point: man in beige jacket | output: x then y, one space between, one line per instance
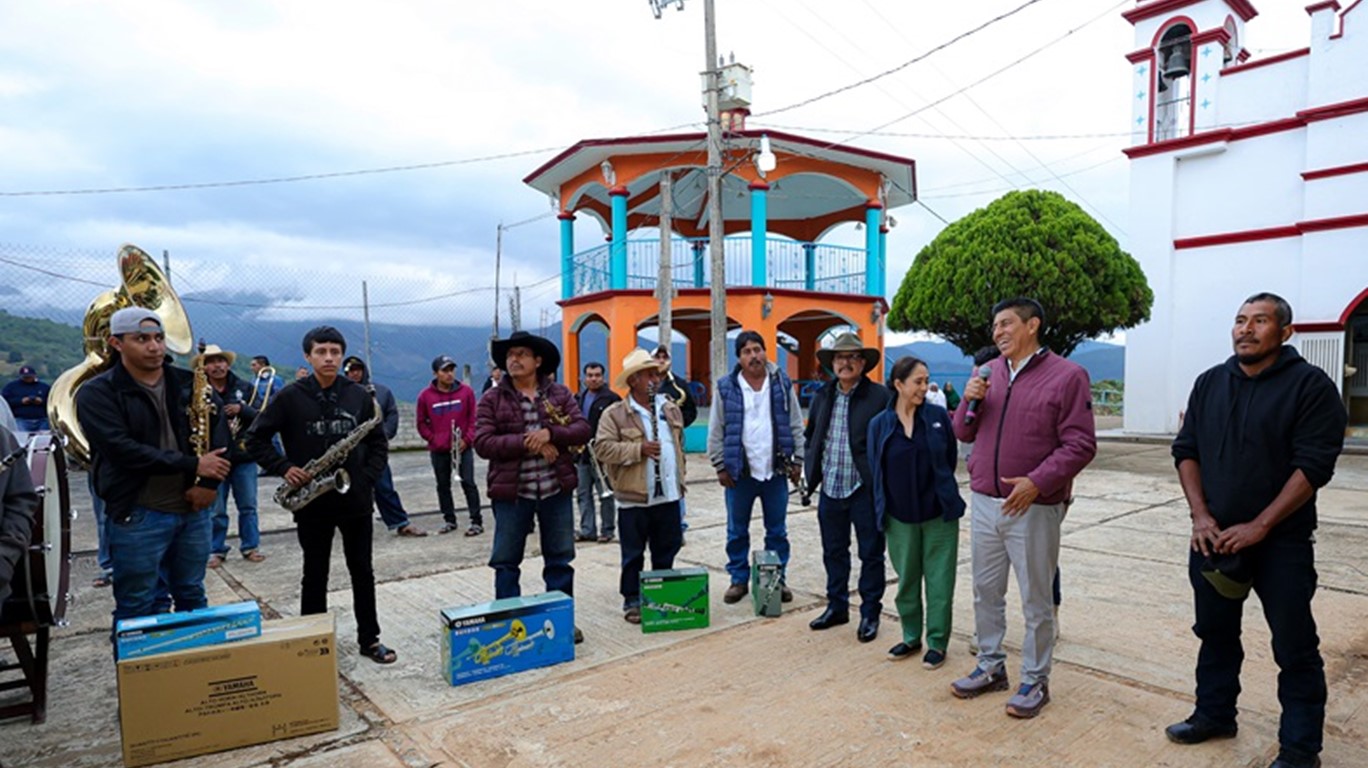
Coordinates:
644 465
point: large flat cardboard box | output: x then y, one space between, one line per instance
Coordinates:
499 638
164 632
195 701
674 599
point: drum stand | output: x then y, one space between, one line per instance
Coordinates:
34 667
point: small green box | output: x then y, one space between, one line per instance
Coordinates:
767 580
674 599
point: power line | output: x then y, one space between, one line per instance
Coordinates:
49 273
278 179
952 136
904 65
975 193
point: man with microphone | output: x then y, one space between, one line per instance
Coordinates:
1030 418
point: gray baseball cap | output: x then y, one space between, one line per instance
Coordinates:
130 320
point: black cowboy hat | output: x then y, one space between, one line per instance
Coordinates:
541 347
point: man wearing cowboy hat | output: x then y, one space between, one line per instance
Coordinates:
242 478
645 471
525 427
837 462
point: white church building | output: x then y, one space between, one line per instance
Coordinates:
1247 175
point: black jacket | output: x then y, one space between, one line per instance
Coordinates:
383 396
1250 434
120 421
238 392
311 419
17 508
866 401
677 390
602 400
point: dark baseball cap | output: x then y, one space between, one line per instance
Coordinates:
27 370
1229 574
442 361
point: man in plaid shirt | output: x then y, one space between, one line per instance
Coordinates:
837 461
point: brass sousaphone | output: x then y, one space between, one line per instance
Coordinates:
143 285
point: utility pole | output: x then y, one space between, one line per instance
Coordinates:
717 256
515 309
365 319
665 282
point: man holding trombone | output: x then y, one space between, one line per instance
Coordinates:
640 448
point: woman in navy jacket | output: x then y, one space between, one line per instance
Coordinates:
917 504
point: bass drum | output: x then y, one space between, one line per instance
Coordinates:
42 582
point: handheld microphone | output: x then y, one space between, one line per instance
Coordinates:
970 415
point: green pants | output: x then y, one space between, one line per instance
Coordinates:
924 551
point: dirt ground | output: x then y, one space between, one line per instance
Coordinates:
753 691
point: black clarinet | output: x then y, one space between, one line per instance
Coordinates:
655 438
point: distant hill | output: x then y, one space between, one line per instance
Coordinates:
1102 361
47 346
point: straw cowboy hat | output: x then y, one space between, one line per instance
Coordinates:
213 350
848 342
541 347
636 362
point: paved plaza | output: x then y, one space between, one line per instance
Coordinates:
754 691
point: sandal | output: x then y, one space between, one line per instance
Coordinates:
411 530
379 654
254 556
475 529
215 560
448 528
103 580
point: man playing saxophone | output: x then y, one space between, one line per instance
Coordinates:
640 444
143 418
314 415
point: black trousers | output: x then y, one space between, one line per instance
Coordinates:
1285 581
315 538
441 467
638 527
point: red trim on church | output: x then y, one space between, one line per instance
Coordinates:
1273 233
1236 69
1339 170
1161 7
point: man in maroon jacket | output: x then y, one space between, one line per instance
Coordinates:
1031 423
525 426
445 406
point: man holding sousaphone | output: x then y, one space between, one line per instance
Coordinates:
640 445
156 489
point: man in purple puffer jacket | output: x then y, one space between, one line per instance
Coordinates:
1032 429
525 427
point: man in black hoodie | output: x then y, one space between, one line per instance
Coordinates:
387 499
1261 433
311 415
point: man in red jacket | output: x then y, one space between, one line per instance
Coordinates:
526 426
1032 429
448 405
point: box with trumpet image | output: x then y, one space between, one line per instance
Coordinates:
502 637
674 599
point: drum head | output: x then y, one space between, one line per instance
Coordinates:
48 562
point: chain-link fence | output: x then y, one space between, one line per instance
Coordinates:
399 312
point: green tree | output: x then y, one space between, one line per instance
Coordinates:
1026 243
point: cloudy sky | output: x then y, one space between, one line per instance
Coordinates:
166 93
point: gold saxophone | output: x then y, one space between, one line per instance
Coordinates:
326 470
560 418
201 411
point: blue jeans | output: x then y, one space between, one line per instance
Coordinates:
387 501
98 506
32 425
835 517
154 553
242 479
773 495
588 500
512 524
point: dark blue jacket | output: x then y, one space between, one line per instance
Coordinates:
17 390
726 422
944 455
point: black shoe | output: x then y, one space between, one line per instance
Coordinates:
1195 731
579 636
1295 760
785 594
830 618
903 651
869 629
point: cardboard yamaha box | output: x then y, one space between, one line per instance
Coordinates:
499 638
278 685
674 599
767 577
146 635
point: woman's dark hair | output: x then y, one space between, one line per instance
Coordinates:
323 334
904 368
